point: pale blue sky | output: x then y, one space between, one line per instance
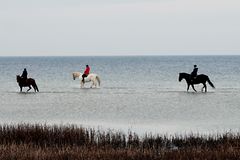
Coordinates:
119 27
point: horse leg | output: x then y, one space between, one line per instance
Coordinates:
20 89
205 87
29 88
81 84
93 84
193 87
34 88
188 87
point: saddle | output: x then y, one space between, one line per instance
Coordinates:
25 81
193 78
86 79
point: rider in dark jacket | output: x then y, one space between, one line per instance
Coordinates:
194 73
24 75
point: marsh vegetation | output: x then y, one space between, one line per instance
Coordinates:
35 141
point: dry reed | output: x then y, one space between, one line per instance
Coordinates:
43 142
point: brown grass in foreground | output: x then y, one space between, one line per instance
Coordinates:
41 142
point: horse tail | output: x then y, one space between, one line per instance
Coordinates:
210 83
35 86
98 79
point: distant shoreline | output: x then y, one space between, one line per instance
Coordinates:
133 55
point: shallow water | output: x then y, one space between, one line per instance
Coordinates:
137 93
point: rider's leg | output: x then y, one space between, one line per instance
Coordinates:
83 78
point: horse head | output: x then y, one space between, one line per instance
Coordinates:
18 78
184 76
75 75
180 77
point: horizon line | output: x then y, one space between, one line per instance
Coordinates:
130 55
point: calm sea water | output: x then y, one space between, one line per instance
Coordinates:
137 93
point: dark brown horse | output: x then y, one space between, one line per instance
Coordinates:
199 79
27 83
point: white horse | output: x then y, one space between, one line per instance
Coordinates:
94 78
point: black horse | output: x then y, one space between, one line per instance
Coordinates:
27 83
199 79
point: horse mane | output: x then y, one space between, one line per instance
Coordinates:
76 73
184 73
18 77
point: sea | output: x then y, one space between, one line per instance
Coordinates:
140 94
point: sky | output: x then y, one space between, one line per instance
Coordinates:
119 27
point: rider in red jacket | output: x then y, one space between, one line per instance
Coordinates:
86 73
